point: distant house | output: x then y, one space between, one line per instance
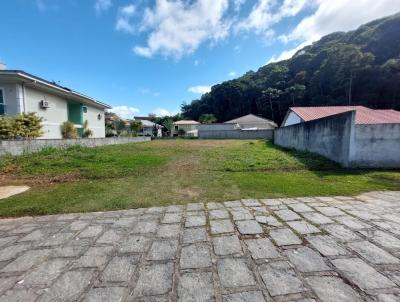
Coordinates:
253 122
21 92
149 126
354 136
364 115
188 127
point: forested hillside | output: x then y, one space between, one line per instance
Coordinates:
360 67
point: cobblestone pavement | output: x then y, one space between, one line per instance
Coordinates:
303 249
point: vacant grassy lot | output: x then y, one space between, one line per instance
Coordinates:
174 172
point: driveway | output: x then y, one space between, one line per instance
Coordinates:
303 249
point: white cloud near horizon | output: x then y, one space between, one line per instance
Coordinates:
163 112
332 16
102 5
176 28
124 19
200 89
232 73
124 112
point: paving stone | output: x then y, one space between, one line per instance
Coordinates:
169 230
262 248
68 287
195 207
241 214
134 244
6 283
301 208
90 261
227 245
388 298
145 227
45 273
394 275
341 233
372 253
70 250
382 238
214 205
195 213
260 210
26 260
232 204
172 218
287 215
250 296
120 269
35 235
270 220
364 215
306 260
125 222
251 202
12 251
234 272
317 218
196 287
352 223
284 237
195 256
174 209
106 294
332 289
91 231
280 278
303 227
249 227
192 235
221 226
19 295
326 245
271 202
163 250
361 274
195 221
219 214
109 237
154 279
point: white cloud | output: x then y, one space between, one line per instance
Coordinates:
164 112
232 73
338 15
124 111
124 19
196 63
264 15
238 4
102 5
200 89
178 27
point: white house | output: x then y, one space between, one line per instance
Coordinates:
253 122
21 92
148 126
188 127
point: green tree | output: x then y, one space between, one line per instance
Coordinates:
207 118
136 127
271 94
296 91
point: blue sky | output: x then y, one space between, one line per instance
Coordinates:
147 56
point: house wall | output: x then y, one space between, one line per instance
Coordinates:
376 146
256 125
330 137
292 119
193 128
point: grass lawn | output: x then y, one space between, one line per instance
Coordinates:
166 172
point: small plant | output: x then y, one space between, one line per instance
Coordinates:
86 131
68 130
25 125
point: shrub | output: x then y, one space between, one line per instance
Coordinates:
136 127
68 130
25 125
86 131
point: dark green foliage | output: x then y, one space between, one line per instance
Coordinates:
207 118
25 126
361 67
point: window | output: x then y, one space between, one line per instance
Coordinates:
84 108
2 103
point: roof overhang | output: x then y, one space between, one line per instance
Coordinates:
36 82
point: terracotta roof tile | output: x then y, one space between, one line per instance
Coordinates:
364 115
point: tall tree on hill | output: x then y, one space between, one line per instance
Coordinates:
271 94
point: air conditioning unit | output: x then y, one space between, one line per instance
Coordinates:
44 104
